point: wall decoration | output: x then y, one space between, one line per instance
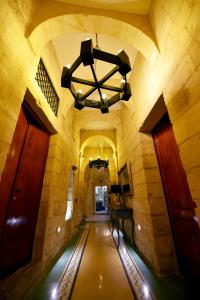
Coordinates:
125 179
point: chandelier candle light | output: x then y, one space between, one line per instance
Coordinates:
98 163
87 56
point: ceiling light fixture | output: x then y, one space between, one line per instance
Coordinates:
88 55
98 163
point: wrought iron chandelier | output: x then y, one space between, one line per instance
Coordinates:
98 163
88 55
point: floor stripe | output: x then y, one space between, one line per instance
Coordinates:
98 218
137 282
67 281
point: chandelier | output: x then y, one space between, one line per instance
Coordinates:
88 56
98 163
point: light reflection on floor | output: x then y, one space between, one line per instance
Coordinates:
101 274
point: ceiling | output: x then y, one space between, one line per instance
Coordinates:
68 49
97 142
129 6
95 120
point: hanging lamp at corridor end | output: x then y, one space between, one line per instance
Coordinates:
99 163
88 55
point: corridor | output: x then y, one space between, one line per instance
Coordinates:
99 114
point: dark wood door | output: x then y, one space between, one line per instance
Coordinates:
179 201
20 190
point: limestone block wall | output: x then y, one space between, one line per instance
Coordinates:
55 194
18 68
175 73
147 197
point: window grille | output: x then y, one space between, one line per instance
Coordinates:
46 86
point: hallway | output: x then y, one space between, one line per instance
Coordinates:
99 113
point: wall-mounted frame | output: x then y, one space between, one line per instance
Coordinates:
125 179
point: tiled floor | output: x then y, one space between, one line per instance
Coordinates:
101 274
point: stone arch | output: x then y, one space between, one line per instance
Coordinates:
103 137
92 178
54 22
113 164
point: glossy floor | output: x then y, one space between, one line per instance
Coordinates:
101 274
163 288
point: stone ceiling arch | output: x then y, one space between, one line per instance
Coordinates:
50 22
106 139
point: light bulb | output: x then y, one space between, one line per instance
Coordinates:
68 66
123 80
80 91
104 96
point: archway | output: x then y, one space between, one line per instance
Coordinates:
53 23
92 147
103 138
54 20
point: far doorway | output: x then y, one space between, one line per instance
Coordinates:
101 200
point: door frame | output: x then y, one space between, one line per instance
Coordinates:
158 110
49 129
95 202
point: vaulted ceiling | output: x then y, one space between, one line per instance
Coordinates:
130 6
120 24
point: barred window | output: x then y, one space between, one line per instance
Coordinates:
46 86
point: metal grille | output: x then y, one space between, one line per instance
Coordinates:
46 86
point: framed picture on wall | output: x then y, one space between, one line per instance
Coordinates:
125 179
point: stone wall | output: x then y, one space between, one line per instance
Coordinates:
18 68
175 74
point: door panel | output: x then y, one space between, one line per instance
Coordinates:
21 219
179 201
8 174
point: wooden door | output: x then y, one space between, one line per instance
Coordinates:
20 190
178 197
